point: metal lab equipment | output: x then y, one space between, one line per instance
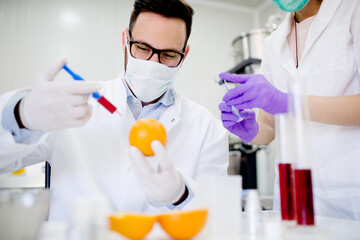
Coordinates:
248 49
22 211
248 46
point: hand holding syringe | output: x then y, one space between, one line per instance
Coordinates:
224 86
101 99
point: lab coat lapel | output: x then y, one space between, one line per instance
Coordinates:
285 54
321 21
171 116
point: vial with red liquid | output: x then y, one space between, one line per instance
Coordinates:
285 166
304 197
301 153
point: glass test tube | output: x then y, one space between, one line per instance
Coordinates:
285 166
299 115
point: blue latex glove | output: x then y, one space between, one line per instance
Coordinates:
247 129
254 91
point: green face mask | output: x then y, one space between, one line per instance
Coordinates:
290 5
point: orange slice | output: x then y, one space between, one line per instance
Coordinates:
132 226
183 225
18 172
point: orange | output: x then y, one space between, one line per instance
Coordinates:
18 172
183 225
131 225
143 132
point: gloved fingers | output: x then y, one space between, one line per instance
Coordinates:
255 99
80 87
229 125
229 117
52 70
139 162
236 78
78 100
79 112
248 95
161 155
224 107
250 125
237 92
247 114
80 121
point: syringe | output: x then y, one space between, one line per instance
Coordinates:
101 99
224 86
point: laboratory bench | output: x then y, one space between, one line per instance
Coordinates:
271 228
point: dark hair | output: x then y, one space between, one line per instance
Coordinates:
169 8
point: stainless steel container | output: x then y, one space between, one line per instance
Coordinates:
22 211
250 45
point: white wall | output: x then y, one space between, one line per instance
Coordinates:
266 11
214 30
88 32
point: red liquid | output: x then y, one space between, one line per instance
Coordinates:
286 192
106 104
304 197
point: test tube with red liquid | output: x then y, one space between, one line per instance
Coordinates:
285 167
299 114
304 197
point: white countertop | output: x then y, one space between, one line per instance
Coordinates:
273 228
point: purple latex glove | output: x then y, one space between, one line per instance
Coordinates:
254 91
247 129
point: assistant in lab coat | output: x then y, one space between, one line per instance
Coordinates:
88 148
326 56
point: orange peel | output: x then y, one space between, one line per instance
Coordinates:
183 225
144 131
131 225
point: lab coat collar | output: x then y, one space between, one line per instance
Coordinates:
321 21
281 43
171 116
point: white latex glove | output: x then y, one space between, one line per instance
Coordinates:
56 105
164 184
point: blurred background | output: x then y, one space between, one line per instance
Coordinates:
88 33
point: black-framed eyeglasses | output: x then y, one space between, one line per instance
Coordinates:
167 57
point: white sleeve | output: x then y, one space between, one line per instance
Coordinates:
355 31
14 156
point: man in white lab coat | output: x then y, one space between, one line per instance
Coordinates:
88 148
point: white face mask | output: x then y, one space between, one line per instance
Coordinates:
148 80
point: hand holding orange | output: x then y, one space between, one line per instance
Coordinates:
143 132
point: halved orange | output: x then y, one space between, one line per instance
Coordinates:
183 225
144 131
131 225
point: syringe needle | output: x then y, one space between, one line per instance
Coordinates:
223 84
118 113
